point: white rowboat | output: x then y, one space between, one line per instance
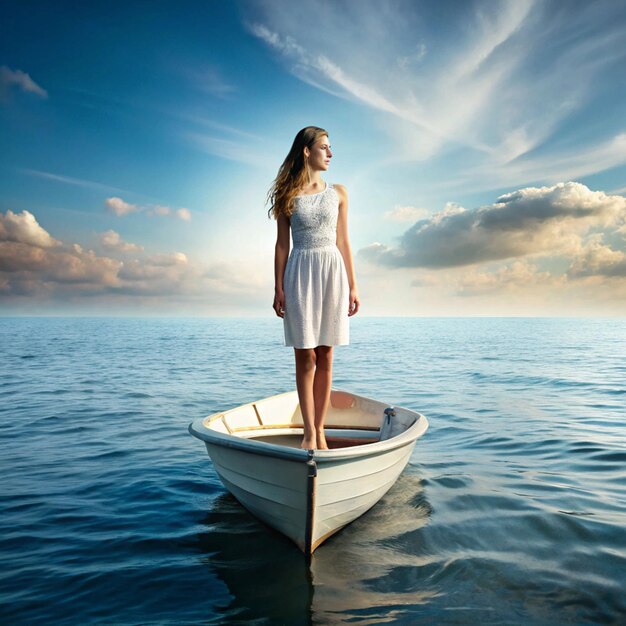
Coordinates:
310 494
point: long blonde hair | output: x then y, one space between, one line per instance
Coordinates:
293 174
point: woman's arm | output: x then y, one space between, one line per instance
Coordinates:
343 243
281 254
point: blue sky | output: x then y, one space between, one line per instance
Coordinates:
483 146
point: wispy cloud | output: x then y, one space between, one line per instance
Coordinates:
210 80
406 61
120 207
234 150
17 79
555 165
319 70
182 213
223 140
68 180
438 100
500 83
202 120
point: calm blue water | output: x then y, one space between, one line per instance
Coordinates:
512 510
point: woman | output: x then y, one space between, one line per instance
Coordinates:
315 286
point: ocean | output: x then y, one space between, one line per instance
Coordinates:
512 509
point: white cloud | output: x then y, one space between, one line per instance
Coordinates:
183 214
112 241
518 276
119 207
598 259
21 80
36 267
31 270
168 260
24 228
546 221
158 274
30 266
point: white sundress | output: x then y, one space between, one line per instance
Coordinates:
317 292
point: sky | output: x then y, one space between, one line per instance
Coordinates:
482 145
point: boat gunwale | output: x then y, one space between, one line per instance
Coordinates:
198 429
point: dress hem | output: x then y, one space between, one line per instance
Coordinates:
330 345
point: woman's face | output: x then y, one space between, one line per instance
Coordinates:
320 154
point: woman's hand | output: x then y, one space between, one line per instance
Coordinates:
279 302
355 303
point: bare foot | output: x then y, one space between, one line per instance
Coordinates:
308 443
321 440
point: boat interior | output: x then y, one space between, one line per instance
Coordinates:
351 420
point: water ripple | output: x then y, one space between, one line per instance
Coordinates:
511 510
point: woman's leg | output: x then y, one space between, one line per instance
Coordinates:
305 372
322 383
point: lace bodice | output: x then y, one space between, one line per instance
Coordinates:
314 220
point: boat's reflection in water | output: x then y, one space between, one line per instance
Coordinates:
346 579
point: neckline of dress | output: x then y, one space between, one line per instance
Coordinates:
308 195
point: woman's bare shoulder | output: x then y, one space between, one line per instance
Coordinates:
341 190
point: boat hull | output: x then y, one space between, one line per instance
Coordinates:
272 489
346 489
308 495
